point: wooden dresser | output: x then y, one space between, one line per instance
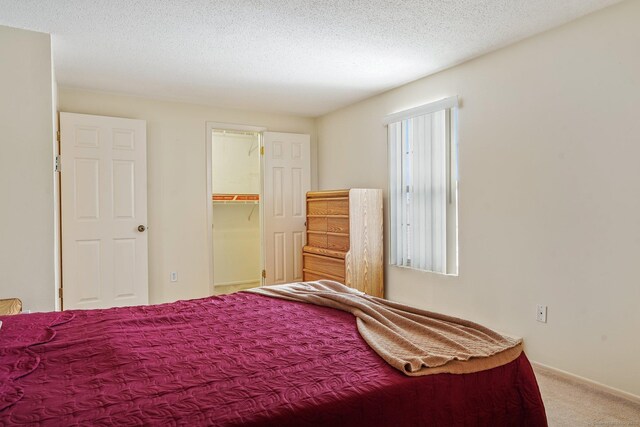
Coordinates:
344 238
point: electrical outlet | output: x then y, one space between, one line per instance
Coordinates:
173 276
541 313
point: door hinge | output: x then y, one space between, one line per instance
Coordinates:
262 150
264 274
58 136
60 293
58 166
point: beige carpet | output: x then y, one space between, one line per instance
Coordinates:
572 403
228 289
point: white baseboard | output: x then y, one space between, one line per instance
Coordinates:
577 378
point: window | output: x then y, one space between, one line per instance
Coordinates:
423 187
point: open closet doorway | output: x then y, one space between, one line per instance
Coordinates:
256 187
235 206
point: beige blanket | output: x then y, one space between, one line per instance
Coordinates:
417 342
10 306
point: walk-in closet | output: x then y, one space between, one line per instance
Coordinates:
235 183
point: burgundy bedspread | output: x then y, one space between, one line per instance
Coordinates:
240 359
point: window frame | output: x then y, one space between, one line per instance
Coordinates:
401 249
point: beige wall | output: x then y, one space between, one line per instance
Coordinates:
26 169
236 244
549 191
56 191
176 172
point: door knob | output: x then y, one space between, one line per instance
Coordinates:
141 228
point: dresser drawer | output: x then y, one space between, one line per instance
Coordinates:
319 240
337 225
323 264
318 224
337 242
316 207
310 276
336 206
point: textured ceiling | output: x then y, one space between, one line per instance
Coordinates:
305 57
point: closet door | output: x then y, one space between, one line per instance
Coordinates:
287 178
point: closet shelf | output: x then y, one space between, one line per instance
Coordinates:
235 199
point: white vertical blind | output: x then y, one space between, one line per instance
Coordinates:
419 190
395 192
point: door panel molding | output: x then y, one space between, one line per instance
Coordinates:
287 178
103 186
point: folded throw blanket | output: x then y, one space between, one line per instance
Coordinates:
417 342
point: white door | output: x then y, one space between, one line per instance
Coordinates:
104 211
287 178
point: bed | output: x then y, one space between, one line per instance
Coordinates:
238 359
